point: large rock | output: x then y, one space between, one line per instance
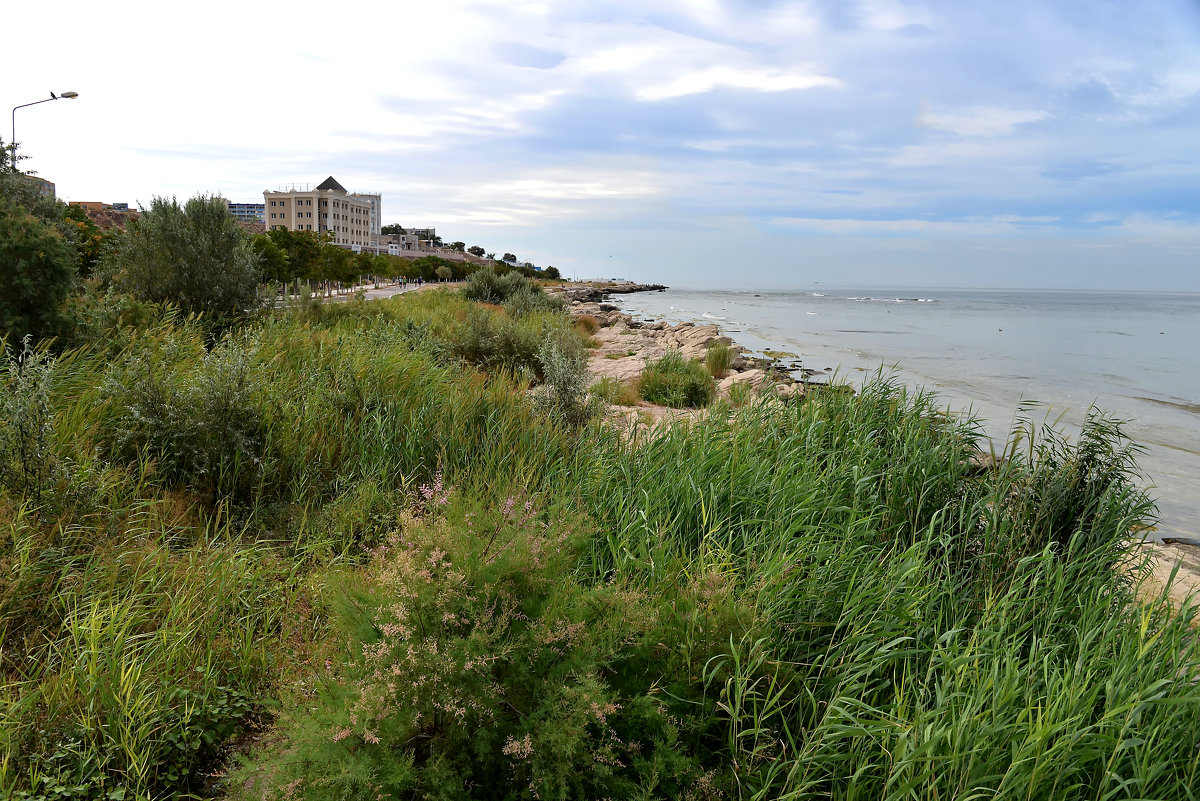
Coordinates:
757 379
692 340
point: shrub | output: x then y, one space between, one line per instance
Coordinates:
491 341
195 413
111 320
487 286
675 381
717 359
27 464
475 670
564 394
532 300
587 324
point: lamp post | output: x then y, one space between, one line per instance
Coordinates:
13 142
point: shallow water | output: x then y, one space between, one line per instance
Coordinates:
1047 355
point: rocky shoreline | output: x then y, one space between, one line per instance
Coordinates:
625 345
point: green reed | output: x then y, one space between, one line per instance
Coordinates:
828 598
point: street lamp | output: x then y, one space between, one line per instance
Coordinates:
13 143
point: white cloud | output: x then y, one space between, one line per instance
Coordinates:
979 121
535 197
759 80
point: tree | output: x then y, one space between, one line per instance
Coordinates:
303 251
509 257
475 250
491 256
195 256
553 274
459 246
38 266
338 264
89 239
273 261
443 272
394 228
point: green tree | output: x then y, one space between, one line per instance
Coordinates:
476 250
303 249
552 273
195 256
273 260
338 264
509 257
394 228
89 239
38 266
459 246
27 191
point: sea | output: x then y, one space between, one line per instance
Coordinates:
1000 355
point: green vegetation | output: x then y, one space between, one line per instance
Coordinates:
615 391
39 268
519 295
193 256
587 324
677 382
717 359
44 246
386 549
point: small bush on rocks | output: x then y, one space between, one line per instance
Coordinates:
717 359
674 381
615 391
587 324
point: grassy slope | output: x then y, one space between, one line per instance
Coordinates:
330 521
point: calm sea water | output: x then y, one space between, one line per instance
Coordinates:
1001 354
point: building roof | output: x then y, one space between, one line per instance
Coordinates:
331 183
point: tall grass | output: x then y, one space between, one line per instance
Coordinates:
718 359
674 381
438 588
923 631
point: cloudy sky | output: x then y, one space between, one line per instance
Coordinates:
695 142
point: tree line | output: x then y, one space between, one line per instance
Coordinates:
191 256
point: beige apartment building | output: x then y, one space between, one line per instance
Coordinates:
352 219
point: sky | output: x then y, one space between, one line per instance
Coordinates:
994 143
